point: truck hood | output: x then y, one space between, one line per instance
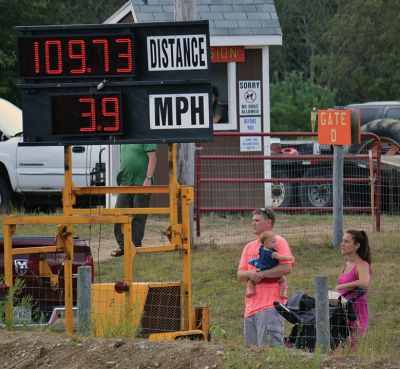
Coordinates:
10 118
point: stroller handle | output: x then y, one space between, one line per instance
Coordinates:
359 292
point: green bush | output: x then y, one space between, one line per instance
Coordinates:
292 101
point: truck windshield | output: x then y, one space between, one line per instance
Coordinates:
10 118
368 114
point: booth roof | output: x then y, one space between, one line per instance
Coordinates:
226 17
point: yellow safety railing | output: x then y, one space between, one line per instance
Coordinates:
177 233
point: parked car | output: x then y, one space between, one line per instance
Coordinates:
381 118
41 298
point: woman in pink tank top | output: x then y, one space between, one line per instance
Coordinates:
356 274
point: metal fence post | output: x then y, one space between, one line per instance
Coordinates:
337 189
322 313
84 299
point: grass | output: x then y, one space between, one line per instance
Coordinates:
214 285
215 257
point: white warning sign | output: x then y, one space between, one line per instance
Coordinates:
179 52
250 97
253 125
173 111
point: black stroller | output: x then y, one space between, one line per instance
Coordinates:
300 311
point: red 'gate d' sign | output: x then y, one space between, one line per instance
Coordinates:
334 127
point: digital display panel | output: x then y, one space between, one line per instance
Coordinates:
76 56
115 83
86 114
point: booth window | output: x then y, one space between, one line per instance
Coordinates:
221 107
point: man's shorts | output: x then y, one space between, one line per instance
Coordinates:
264 328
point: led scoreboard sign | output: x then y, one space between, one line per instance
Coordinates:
76 56
119 83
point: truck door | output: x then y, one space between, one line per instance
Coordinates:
41 168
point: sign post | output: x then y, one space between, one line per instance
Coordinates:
335 128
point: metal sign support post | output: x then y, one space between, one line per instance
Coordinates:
65 233
337 227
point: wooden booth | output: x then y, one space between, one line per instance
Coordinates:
241 34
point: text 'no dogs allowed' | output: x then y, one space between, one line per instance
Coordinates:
250 97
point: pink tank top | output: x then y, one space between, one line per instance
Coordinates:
360 305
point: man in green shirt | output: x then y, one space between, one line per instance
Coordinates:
138 163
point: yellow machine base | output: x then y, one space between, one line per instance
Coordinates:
145 309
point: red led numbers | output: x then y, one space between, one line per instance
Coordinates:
104 44
76 56
53 48
97 114
127 55
110 108
77 50
91 115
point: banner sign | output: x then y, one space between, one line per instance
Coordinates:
227 54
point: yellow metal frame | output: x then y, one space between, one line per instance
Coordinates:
178 234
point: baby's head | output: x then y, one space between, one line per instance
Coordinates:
268 239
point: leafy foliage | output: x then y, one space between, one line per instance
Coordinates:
15 13
39 12
12 294
349 46
303 24
361 53
292 101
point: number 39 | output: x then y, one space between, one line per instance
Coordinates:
110 114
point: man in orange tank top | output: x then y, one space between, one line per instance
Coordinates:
263 325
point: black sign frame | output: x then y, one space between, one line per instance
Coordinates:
179 82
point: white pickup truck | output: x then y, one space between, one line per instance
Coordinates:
35 174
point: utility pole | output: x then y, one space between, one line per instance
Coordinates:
185 10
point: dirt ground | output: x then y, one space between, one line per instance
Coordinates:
39 350
28 350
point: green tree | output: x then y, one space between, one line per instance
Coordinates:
292 101
40 12
303 24
83 11
361 53
14 13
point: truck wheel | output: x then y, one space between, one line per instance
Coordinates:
316 194
282 192
6 195
388 131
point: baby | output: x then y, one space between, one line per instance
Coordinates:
268 258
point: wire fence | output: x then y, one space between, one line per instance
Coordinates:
295 178
157 309
227 190
156 302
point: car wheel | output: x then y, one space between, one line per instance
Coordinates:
388 131
316 194
6 195
282 192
